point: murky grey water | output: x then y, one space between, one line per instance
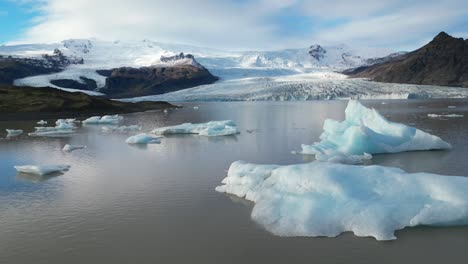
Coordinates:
157 204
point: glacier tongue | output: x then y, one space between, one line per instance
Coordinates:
365 132
326 199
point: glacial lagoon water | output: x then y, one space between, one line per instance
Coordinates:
156 204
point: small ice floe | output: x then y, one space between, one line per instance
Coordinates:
121 129
165 111
451 106
327 199
42 169
384 103
210 129
364 132
105 120
444 116
14 132
196 107
64 127
70 148
143 139
42 122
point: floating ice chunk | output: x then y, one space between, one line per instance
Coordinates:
213 128
143 139
64 127
196 107
327 199
366 132
42 122
14 132
451 106
70 148
121 128
105 120
42 169
447 116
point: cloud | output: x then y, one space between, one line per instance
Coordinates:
246 24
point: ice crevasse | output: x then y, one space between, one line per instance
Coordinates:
364 132
326 199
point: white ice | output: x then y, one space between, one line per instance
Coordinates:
213 128
365 132
42 122
14 132
42 169
327 199
63 127
447 115
105 120
121 128
143 139
70 148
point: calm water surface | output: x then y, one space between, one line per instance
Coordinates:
157 204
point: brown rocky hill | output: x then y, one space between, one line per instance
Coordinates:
443 61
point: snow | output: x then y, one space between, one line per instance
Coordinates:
63 127
70 148
213 128
319 85
365 132
447 115
14 132
42 169
121 129
105 120
327 199
143 139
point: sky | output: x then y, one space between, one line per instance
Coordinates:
236 24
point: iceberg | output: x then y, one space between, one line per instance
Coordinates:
42 122
121 129
70 148
327 199
143 139
105 120
63 127
210 129
365 132
42 169
442 116
14 132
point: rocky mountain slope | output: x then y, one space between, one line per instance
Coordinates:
443 61
27 102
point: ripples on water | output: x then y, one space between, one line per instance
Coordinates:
127 204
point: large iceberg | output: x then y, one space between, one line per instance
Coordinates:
327 199
105 120
42 169
365 132
213 128
143 139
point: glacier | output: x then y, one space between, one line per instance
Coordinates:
42 169
364 132
210 129
143 138
327 199
105 120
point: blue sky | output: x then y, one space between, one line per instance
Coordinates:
236 24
